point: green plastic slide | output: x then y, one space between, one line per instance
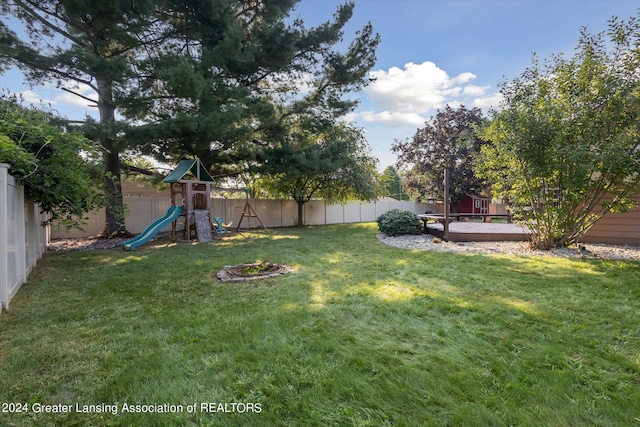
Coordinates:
172 214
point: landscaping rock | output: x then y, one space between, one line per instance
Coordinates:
431 243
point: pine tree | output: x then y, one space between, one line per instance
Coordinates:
94 44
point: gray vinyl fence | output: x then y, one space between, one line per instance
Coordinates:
142 211
23 239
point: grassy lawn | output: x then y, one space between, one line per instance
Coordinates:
360 334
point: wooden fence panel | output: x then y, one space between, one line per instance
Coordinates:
619 229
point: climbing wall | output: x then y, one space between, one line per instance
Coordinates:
203 226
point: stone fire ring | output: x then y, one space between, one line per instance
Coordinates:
235 273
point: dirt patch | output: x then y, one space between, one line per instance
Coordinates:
92 243
252 271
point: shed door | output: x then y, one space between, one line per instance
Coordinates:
481 206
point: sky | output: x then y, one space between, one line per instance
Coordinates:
432 53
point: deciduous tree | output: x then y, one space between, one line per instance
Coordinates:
566 144
335 166
448 141
45 158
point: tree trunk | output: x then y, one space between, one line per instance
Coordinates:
114 211
114 221
300 212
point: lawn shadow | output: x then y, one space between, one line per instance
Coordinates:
360 333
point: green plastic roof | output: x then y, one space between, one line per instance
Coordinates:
185 166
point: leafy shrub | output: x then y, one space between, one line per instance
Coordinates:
50 161
398 222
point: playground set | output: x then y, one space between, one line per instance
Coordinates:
190 185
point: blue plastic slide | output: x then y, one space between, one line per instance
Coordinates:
172 214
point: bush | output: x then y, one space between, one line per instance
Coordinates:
50 161
397 222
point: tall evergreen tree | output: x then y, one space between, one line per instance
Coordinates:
83 42
391 184
241 74
208 78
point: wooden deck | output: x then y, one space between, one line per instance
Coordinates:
479 231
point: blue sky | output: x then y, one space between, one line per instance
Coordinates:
435 53
432 53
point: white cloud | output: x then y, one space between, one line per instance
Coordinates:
465 78
350 117
33 98
406 96
416 88
49 94
71 99
473 90
392 118
492 101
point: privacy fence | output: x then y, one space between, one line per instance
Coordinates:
23 239
143 210
145 205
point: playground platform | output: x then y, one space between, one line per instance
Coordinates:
479 231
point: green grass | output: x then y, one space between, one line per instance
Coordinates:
360 334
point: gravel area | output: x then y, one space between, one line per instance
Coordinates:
427 242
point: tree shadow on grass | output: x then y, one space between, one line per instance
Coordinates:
359 332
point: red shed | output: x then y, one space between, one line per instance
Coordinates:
474 205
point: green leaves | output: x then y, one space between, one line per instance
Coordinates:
334 165
567 137
50 162
187 76
391 184
446 142
22 162
398 222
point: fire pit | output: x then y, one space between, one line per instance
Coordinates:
252 271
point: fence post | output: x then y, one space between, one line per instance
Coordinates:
4 231
20 234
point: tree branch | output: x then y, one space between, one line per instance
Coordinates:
30 9
81 96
